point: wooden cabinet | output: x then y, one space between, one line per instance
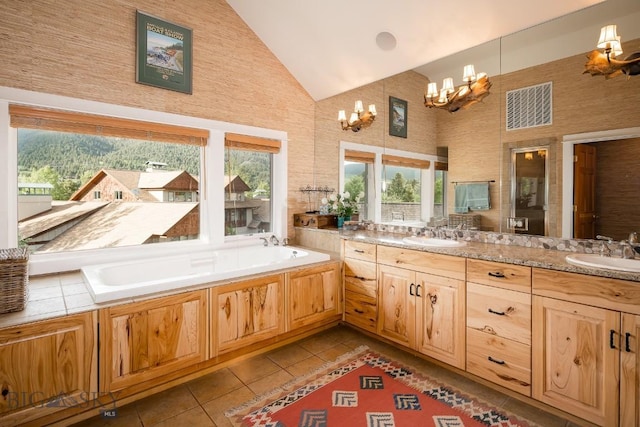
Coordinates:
47 366
313 295
575 367
499 323
146 340
246 312
585 346
360 285
422 302
630 371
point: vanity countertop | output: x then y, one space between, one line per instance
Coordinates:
510 254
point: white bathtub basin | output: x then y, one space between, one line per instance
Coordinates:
608 263
433 242
114 281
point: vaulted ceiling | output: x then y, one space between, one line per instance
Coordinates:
332 46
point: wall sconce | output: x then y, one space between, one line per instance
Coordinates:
357 120
604 63
452 99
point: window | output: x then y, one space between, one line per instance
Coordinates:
402 192
398 186
248 166
87 171
358 179
440 190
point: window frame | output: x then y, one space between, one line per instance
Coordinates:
427 180
212 195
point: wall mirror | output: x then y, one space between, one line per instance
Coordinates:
480 146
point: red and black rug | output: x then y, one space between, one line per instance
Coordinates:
369 390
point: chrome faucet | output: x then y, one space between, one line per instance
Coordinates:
628 251
285 241
604 249
274 240
266 242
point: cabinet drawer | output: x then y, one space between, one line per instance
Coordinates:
361 310
499 312
360 277
360 250
507 276
424 262
499 360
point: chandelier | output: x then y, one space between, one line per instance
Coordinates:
451 98
358 120
604 63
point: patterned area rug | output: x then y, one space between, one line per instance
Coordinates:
368 389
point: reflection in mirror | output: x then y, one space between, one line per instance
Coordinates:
529 190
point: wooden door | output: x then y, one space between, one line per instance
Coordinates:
47 366
397 305
440 314
584 192
313 295
576 359
630 371
246 312
148 339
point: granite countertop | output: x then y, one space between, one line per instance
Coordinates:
510 254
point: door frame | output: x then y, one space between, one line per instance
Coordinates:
568 141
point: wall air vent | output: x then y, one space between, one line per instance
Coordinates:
529 107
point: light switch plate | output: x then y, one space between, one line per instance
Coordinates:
517 223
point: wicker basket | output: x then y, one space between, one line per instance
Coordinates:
13 279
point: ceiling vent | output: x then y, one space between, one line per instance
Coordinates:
529 107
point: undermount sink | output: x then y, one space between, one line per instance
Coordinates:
609 263
433 242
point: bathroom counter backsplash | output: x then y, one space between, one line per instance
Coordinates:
531 256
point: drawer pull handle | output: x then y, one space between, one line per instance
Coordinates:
358 311
411 286
499 362
360 251
497 275
627 342
358 277
418 291
612 334
499 313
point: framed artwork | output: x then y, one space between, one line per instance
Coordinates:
397 117
163 53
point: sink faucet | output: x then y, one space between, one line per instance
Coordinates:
266 242
604 249
274 240
628 251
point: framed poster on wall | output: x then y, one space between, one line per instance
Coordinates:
164 54
397 117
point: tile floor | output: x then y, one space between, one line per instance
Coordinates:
202 402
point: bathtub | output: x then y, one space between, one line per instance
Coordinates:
114 281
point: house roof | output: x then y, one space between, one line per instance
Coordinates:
235 184
61 212
120 224
164 180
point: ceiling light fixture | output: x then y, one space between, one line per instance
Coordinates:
357 120
604 63
452 99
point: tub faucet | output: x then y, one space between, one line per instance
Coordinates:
274 240
266 242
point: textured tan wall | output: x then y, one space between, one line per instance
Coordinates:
421 123
86 49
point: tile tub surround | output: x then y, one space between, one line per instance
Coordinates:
553 259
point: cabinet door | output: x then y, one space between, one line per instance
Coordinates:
440 315
145 340
313 295
47 366
245 313
397 305
576 359
630 371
